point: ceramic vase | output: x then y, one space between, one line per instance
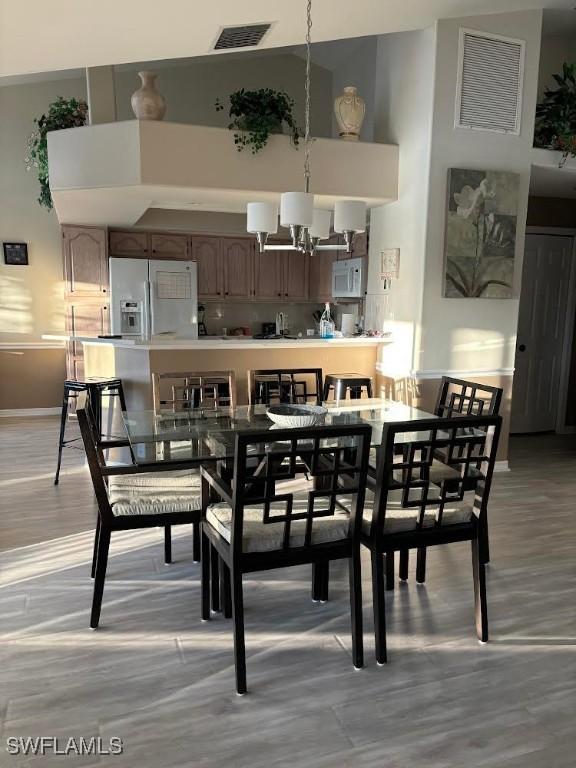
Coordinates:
349 109
147 102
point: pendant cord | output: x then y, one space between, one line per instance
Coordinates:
307 98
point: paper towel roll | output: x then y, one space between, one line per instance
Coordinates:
348 325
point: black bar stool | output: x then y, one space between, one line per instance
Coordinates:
96 388
342 383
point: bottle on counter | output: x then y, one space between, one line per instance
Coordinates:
326 323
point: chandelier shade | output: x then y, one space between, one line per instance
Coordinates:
262 217
350 216
296 209
321 224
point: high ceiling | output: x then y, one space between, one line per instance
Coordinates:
68 34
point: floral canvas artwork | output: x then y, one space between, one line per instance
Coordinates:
480 234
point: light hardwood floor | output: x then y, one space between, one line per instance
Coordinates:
157 677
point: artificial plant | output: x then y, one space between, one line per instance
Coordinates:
62 113
556 115
256 114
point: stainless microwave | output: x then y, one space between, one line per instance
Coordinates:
348 278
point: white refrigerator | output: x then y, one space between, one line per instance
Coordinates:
152 297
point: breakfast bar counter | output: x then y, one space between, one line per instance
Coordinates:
135 361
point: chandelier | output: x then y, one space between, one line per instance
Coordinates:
308 225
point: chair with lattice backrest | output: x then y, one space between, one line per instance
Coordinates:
132 496
285 385
411 511
257 526
186 390
456 397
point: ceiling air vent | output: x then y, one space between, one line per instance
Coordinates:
246 36
490 77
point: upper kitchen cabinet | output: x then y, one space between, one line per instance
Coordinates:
167 246
321 275
130 244
238 264
85 261
268 276
296 276
206 251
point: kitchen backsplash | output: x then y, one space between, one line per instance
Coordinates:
230 316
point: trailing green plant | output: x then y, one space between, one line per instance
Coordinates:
556 115
256 114
62 113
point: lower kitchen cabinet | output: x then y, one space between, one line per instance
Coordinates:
83 319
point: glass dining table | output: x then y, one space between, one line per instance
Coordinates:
195 436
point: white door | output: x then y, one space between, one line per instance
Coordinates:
541 328
174 298
128 281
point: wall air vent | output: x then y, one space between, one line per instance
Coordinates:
245 36
490 80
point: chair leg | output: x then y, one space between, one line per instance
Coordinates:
316 582
215 578
325 582
63 418
101 563
95 552
196 542
378 601
403 566
355 575
484 542
225 590
167 544
480 603
238 618
205 547
421 565
390 570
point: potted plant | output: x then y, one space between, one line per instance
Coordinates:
256 114
556 115
62 113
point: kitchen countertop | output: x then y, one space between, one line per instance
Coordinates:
219 342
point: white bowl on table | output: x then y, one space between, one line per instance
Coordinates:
292 416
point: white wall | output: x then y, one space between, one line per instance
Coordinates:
479 334
32 297
403 115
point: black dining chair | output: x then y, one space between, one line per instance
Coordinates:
411 511
456 397
285 385
131 497
255 527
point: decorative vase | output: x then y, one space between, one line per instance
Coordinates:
349 109
147 102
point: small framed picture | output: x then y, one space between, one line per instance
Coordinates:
15 253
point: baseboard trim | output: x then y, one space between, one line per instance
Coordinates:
31 412
437 374
502 466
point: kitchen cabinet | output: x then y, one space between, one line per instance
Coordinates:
85 261
169 246
206 251
83 318
130 244
321 275
238 267
296 276
268 276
